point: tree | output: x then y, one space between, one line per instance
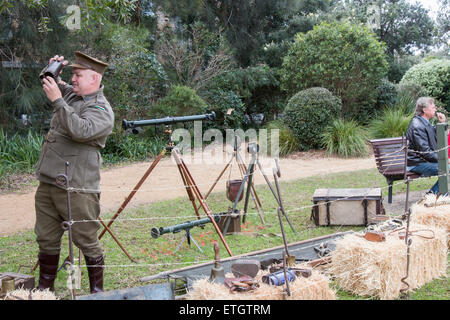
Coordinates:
30 34
194 60
185 12
443 25
246 23
137 80
258 87
294 17
346 59
31 31
401 25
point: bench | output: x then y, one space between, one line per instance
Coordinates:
390 156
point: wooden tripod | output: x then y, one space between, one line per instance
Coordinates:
191 189
242 169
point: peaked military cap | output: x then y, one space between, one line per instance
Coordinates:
84 61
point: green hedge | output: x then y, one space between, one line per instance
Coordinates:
434 77
345 58
308 113
180 101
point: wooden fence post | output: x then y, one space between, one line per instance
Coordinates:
442 145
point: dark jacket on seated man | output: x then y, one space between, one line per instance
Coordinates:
421 135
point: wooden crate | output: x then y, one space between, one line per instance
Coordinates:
235 223
350 207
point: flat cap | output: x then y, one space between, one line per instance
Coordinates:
84 61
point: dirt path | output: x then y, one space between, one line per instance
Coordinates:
17 209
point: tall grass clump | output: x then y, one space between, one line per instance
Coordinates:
287 142
392 122
345 138
124 147
19 153
406 101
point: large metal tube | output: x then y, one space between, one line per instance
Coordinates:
167 120
156 232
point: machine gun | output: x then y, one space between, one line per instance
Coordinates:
133 125
188 181
156 232
187 226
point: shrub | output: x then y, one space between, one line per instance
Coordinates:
434 77
407 96
399 65
308 112
20 153
346 59
220 101
392 122
136 82
345 138
194 55
127 147
287 142
258 87
180 101
137 79
386 94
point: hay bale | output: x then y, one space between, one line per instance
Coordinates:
432 212
25 294
315 287
375 269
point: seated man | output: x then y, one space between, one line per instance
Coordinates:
422 139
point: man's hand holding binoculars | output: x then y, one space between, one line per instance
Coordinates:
51 88
49 84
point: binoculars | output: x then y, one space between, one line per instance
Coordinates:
52 70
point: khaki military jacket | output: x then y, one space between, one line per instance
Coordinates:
78 130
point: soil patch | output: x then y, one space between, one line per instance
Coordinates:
17 208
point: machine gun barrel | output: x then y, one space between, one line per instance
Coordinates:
156 232
167 120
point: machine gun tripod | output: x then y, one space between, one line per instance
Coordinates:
253 149
244 173
188 181
189 238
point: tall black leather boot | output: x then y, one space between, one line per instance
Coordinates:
95 272
48 266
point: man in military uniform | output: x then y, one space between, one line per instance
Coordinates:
82 119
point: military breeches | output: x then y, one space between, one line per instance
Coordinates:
51 211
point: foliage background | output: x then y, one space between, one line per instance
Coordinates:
346 59
434 77
250 56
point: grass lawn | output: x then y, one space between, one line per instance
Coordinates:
157 255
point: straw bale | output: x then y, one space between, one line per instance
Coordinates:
432 212
315 287
24 294
375 269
